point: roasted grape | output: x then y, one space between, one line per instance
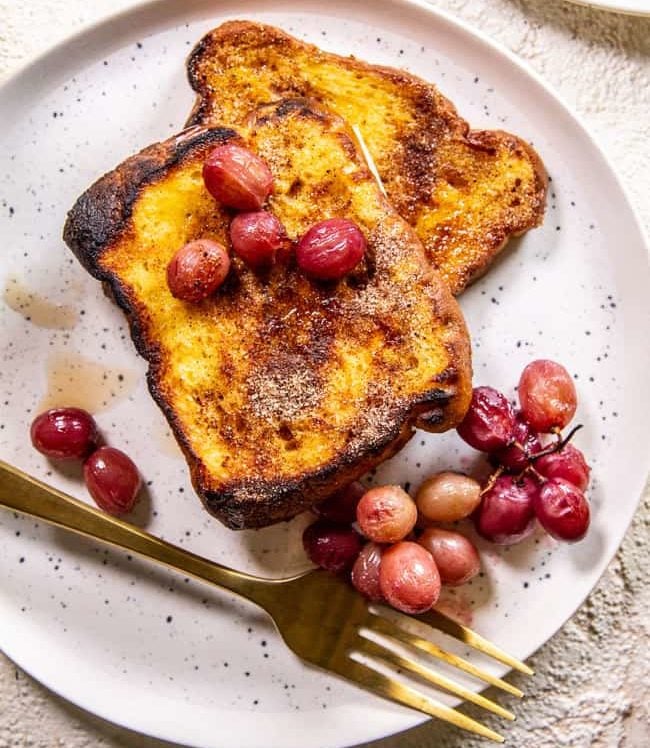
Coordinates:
408 578
506 513
568 463
386 514
562 510
456 557
237 177
64 433
547 395
341 506
257 238
112 479
331 249
489 422
197 270
526 442
365 572
448 497
331 546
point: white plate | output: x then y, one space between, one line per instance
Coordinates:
633 7
158 654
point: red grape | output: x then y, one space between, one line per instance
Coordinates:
386 514
489 422
237 177
330 249
331 546
568 463
513 458
506 514
547 395
257 237
562 510
455 556
197 270
341 506
365 572
64 433
112 480
409 578
447 497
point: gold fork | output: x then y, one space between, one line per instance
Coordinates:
319 615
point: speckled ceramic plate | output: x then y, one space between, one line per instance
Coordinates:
166 656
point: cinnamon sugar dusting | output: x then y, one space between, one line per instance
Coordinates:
374 420
383 296
287 386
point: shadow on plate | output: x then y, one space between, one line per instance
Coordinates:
596 25
95 555
277 550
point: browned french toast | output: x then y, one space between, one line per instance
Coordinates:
279 389
465 192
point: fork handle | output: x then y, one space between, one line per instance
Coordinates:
22 493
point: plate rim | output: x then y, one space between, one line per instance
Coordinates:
436 14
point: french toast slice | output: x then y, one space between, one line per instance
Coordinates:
465 192
278 389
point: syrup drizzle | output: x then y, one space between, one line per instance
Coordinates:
37 309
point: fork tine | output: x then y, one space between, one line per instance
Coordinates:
392 630
368 678
450 627
374 649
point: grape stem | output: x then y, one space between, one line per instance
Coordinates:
559 445
530 469
492 479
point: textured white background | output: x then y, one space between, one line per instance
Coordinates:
592 685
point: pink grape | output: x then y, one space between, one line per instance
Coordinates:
562 510
547 395
365 572
513 458
447 497
197 269
386 514
456 557
569 463
257 238
409 578
506 515
237 177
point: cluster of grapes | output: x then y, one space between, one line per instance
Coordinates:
407 555
395 565
532 481
70 434
240 179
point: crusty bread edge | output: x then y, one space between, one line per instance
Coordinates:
97 220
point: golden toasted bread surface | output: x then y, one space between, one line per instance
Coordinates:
279 389
464 192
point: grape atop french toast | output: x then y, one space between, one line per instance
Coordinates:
465 192
279 389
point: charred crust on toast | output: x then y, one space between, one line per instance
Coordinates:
103 214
